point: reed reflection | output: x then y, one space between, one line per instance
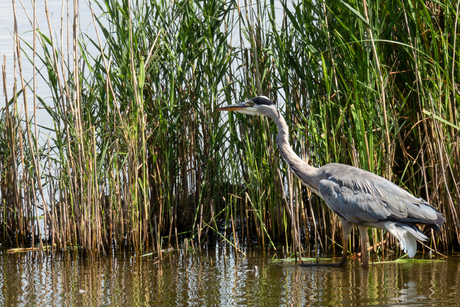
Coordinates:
218 277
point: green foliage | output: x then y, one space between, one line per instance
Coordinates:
141 159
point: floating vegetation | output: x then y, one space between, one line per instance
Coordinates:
409 261
291 259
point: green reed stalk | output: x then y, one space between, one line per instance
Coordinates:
139 154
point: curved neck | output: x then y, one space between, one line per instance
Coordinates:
307 174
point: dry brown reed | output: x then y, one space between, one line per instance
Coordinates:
137 158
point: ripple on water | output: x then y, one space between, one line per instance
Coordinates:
218 278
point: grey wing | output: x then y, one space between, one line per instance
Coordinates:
360 196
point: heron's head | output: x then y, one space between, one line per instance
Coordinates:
259 105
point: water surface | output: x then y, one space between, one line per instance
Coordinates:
219 278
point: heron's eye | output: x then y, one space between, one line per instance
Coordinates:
250 103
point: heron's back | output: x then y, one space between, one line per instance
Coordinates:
359 196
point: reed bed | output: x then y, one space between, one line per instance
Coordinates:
137 158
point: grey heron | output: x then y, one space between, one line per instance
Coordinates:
360 198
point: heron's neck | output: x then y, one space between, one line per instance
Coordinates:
307 174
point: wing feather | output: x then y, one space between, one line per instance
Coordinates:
360 196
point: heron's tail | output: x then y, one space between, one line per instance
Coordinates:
407 235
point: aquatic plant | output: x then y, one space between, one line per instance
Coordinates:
137 158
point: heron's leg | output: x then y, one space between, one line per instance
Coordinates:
343 262
364 240
346 230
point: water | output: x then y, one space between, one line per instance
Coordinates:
218 278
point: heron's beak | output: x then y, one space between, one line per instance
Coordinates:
233 107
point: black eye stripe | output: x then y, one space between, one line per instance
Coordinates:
262 100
